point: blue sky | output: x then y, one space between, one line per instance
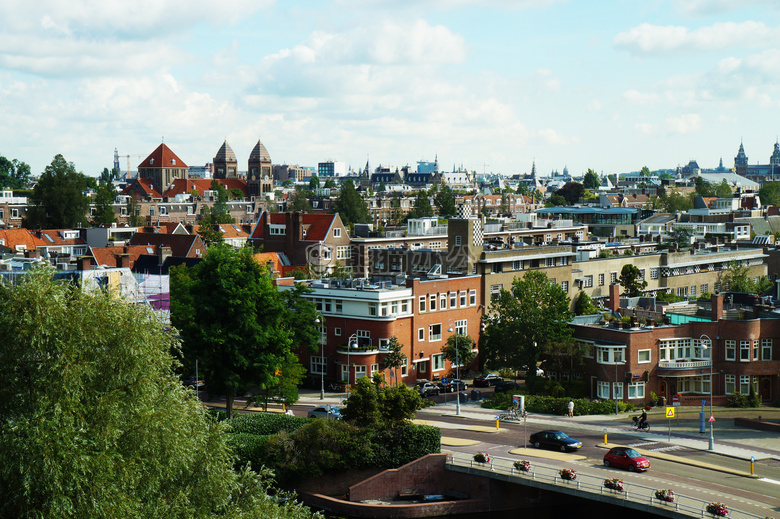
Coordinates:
494 85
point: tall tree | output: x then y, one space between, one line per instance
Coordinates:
395 357
350 205
523 321
770 194
314 182
233 321
445 201
459 349
571 191
58 200
299 202
422 205
631 280
737 279
94 420
591 180
13 173
104 203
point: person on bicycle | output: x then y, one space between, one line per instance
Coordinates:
642 420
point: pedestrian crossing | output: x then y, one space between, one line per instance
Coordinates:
665 448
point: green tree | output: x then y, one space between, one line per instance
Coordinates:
13 173
299 202
737 279
422 205
572 192
94 421
675 201
770 194
631 280
395 357
350 205
723 190
314 182
445 201
584 305
134 218
216 215
233 321
557 200
681 238
373 405
703 187
523 320
104 204
645 171
58 200
459 349
591 180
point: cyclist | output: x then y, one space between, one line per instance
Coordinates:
642 420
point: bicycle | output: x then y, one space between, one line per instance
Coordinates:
513 413
645 426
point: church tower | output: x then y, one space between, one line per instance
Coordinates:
225 162
741 161
259 181
774 160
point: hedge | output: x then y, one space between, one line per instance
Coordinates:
249 448
264 424
559 406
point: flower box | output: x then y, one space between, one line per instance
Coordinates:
523 466
481 457
718 509
665 495
567 474
614 484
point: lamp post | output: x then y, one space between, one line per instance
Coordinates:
616 381
352 338
457 373
708 346
322 362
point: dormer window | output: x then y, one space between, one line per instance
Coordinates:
151 161
173 162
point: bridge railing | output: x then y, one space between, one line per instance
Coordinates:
633 492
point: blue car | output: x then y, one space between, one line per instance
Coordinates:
557 440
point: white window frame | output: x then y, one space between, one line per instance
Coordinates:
730 349
437 362
766 349
432 334
360 371
421 334
423 302
636 390
649 355
602 389
317 365
617 391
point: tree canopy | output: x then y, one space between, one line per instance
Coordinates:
13 173
235 323
422 205
445 201
459 349
523 321
350 205
737 279
104 203
58 200
770 194
371 404
395 357
631 280
572 192
94 420
591 180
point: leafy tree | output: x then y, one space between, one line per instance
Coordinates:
330 183
675 201
630 280
104 204
373 405
13 173
557 200
681 237
572 192
58 200
445 201
134 218
723 190
703 187
645 171
396 213
737 279
422 205
395 357
459 349
94 421
215 216
770 194
233 321
591 180
350 205
314 182
584 305
523 321
299 202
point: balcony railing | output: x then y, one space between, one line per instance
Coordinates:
684 364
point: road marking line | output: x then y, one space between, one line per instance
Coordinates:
765 480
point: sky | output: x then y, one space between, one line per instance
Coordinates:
489 85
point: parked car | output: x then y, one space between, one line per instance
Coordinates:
325 411
524 372
557 440
453 385
427 389
506 386
191 382
626 458
488 379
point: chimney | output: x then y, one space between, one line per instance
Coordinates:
717 307
163 253
123 261
31 253
614 297
84 263
271 270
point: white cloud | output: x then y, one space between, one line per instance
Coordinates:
645 128
684 124
714 7
654 39
640 98
594 105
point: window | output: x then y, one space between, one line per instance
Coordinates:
731 384
443 301
755 349
744 384
339 307
462 298
613 277
549 262
421 334
587 281
472 297
437 361
565 286
405 368
360 371
766 349
643 356
457 241
601 280
337 233
317 365
453 299
495 292
654 273
731 349
344 372
609 354
337 332
433 302
343 252
744 351
603 390
704 288
496 268
636 390
405 307
372 309
434 332
462 327
422 303
517 265
374 368
617 390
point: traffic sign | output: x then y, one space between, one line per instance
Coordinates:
670 412
444 380
712 418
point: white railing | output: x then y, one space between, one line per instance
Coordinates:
684 364
632 492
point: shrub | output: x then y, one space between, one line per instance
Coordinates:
558 406
249 448
266 423
737 400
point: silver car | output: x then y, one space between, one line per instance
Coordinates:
325 411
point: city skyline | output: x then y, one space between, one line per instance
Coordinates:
492 85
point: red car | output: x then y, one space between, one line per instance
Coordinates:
626 458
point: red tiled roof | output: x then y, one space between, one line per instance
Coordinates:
182 245
162 157
143 185
13 238
108 255
316 225
182 186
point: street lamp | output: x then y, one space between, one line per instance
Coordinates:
352 338
322 361
457 374
708 346
616 380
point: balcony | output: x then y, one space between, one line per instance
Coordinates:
684 364
366 349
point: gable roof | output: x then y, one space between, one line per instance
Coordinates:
20 239
316 225
143 186
108 255
162 157
182 186
181 244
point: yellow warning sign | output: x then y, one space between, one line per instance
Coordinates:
670 412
